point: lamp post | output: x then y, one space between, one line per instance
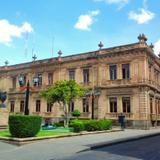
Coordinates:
95 90
93 94
59 63
27 88
93 98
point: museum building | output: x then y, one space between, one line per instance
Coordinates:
122 79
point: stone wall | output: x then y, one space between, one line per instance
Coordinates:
4 116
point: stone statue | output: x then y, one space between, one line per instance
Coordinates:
3 97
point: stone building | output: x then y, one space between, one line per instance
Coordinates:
123 79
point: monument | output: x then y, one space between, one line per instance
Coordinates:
3 110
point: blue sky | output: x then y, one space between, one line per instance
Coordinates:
73 26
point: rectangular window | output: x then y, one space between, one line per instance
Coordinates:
50 78
85 102
113 104
86 75
113 72
24 79
125 71
39 79
71 107
126 104
22 106
71 74
38 105
12 104
14 80
150 75
158 106
151 106
49 107
156 75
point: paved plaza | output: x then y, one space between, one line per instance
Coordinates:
64 148
145 149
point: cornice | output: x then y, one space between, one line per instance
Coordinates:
107 52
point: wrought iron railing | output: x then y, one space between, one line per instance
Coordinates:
115 115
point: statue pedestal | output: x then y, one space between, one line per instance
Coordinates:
4 117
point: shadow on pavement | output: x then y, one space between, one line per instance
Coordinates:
145 149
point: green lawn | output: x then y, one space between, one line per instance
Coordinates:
5 133
42 133
50 133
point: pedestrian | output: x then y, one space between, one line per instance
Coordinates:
121 120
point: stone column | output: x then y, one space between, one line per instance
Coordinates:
4 113
107 73
119 71
119 104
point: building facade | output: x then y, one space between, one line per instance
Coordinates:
123 79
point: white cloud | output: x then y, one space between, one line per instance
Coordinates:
121 3
85 21
113 1
157 47
141 17
8 31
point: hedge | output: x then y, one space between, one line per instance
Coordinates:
77 126
76 113
22 126
59 124
91 125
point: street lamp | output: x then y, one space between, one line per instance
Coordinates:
95 92
22 83
35 80
3 97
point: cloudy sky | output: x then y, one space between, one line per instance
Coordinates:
43 27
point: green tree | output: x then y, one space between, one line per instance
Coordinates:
63 92
76 113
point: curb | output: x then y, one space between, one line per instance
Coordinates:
23 141
119 141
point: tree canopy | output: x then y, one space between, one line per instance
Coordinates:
63 92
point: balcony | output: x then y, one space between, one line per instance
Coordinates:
85 115
128 116
49 114
154 116
37 113
151 83
86 84
116 82
129 82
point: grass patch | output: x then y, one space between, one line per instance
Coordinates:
5 133
42 133
50 133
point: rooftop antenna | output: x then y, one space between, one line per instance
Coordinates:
6 63
26 45
52 50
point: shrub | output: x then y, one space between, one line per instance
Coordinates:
104 124
22 126
77 125
59 124
76 113
91 125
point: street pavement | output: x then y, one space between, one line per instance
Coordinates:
144 149
54 149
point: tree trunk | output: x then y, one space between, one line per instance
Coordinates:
66 119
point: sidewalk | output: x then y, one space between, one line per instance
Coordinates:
54 149
134 135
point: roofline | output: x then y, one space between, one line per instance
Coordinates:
55 59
